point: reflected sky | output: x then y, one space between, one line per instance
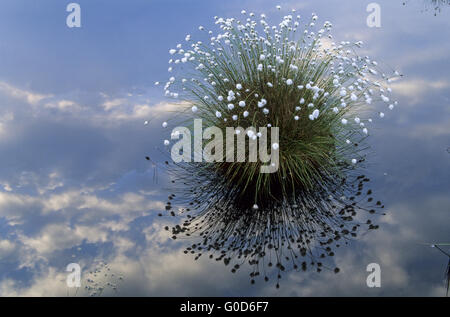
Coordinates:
75 185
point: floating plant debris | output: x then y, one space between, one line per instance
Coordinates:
100 279
447 271
321 96
154 167
435 5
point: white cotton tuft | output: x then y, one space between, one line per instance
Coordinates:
344 121
194 109
289 82
354 161
241 103
315 113
245 114
230 106
262 103
218 114
275 146
164 124
166 142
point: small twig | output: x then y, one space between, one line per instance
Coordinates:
436 246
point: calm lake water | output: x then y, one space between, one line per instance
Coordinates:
75 187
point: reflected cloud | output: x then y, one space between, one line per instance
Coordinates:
416 90
21 94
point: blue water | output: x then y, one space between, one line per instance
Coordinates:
75 187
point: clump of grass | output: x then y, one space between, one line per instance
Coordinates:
321 96
318 93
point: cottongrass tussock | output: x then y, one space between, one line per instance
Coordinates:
323 97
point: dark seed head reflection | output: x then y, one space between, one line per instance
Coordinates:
297 232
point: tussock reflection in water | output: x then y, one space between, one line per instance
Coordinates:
296 232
